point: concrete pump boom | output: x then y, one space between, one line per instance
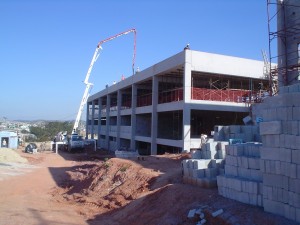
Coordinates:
94 59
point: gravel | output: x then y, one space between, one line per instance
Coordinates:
10 155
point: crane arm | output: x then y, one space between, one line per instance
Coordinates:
118 35
94 59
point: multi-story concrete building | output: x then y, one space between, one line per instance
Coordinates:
166 107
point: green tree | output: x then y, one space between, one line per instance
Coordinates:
50 130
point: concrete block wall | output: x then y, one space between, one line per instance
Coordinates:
280 153
247 133
211 150
242 180
208 162
202 172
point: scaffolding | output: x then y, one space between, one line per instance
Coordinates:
284 38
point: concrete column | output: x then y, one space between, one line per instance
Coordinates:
87 126
99 120
107 121
133 116
93 119
187 99
119 103
154 115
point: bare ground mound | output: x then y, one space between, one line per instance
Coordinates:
119 191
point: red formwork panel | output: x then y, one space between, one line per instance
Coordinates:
228 95
170 96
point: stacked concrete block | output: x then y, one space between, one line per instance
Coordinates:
280 152
242 180
210 150
208 162
246 133
201 172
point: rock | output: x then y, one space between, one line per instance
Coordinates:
218 212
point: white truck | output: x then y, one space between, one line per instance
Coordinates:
75 142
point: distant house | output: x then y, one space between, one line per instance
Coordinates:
8 139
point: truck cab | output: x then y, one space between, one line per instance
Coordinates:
76 142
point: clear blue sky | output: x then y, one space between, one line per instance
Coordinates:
46 45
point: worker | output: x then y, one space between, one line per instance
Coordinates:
187 47
4 143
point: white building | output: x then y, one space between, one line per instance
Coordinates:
166 107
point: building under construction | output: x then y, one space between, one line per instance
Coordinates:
166 107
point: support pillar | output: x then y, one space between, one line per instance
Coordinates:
187 100
87 126
107 122
119 104
154 115
133 116
93 119
99 121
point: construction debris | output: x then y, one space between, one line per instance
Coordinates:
198 214
218 212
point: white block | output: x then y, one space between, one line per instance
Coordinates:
298 171
298 215
288 169
191 213
238 150
243 197
296 113
294 199
256 175
231 160
272 127
201 163
196 154
295 142
244 173
253 199
276 181
221 145
282 112
231 170
274 207
295 156
250 186
289 212
270 153
294 185
272 167
200 173
218 212
234 129
211 172
254 163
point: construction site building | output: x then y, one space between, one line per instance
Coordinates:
168 106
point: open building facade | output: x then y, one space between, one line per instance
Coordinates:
166 107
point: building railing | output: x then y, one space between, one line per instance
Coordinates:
229 95
144 100
170 96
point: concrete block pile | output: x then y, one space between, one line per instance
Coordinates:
208 162
201 172
242 180
126 154
246 133
211 150
280 153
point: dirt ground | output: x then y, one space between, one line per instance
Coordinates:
94 189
